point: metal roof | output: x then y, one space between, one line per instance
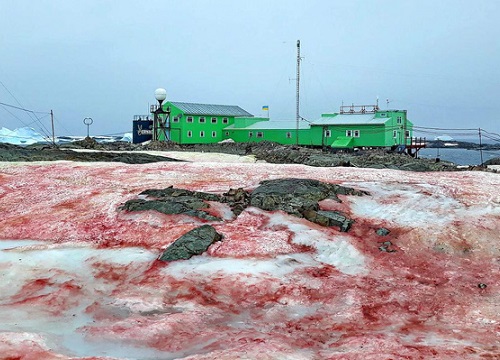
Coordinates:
210 109
273 125
350 119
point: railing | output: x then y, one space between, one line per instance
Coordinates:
359 109
416 142
142 117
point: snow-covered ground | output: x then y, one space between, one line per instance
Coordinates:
80 279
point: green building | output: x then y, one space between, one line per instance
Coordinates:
349 129
359 127
353 127
190 123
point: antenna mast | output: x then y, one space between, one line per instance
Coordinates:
297 116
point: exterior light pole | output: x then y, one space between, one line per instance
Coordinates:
158 123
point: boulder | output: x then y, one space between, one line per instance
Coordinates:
300 197
329 218
182 205
383 232
194 242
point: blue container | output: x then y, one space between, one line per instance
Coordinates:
142 131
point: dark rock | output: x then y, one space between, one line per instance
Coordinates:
183 205
195 242
299 197
383 232
328 218
482 286
172 192
238 200
494 161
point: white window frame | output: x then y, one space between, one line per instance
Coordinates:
250 134
328 133
189 119
399 119
407 134
394 134
226 133
202 120
214 120
356 133
348 133
202 134
288 135
260 134
214 134
189 134
225 120
175 119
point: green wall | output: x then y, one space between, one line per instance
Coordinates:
184 132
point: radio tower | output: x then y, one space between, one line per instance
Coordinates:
297 116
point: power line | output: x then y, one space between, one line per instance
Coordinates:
23 109
443 129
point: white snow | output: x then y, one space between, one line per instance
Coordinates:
336 251
254 268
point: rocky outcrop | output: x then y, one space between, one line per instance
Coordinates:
194 242
494 161
300 197
174 201
52 153
237 199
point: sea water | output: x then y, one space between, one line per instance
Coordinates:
458 156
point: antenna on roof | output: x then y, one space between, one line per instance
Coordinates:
297 104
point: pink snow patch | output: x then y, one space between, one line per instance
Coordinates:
88 285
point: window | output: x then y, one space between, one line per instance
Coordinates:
214 133
202 120
383 115
250 134
202 134
225 120
190 133
189 119
226 133
175 119
394 134
214 120
407 133
348 133
289 135
356 133
328 133
260 134
400 119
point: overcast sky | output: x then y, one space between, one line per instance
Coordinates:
438 59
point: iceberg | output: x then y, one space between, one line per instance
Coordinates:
21 136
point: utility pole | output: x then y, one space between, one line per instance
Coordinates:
297 116
52 122
481 146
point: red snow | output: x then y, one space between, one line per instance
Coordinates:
259 293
